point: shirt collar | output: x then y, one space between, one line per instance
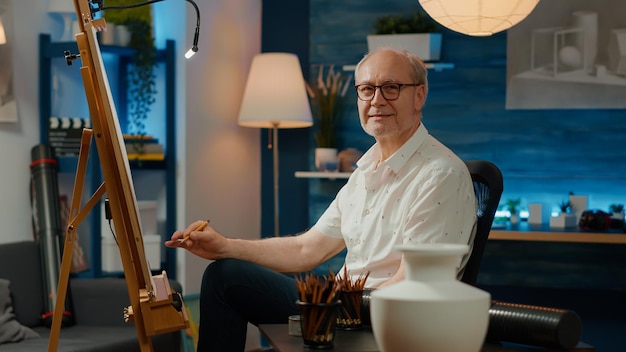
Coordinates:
400 157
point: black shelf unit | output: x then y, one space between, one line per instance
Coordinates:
49 51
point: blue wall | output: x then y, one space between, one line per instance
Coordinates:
285 29
543 154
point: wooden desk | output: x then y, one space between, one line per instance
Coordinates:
363 341
543 233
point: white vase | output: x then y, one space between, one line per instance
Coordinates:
107 37
122 35
326 159
578 204
430 310
588 42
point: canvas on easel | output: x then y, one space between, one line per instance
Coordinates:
155 308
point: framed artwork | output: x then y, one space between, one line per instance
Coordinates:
8 105
568 54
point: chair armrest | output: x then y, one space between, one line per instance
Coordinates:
101 302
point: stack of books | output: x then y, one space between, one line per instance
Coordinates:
64 134
143 147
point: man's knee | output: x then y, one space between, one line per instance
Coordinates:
223 268
222 271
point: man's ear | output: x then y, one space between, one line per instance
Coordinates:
420 96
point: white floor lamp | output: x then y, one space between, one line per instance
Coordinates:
275 97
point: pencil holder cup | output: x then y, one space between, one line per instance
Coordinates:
349 315
318 323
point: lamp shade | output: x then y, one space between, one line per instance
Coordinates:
478 17
61 6
275 94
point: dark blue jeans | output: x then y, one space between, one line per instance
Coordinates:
236 292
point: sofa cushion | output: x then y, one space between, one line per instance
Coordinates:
95 339
20 264
10 329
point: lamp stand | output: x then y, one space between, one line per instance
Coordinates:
274 145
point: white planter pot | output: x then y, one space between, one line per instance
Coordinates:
563 221
427 46
430 310
326 159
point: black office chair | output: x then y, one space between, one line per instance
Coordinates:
488 187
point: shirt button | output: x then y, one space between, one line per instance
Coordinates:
367 212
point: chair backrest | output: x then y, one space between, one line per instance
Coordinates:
488 187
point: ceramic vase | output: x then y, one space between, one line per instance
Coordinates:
326 159
578 205
588 42
430 310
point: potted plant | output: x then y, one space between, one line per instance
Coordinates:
617 211
415 32
327 97
565 219
141 77
511 206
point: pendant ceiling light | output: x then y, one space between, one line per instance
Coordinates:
478 17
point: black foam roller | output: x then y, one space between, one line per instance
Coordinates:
533 325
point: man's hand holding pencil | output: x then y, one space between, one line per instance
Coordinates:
198 228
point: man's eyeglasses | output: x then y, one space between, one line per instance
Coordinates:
390 91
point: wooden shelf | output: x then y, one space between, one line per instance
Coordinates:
121 58
526 232
322 174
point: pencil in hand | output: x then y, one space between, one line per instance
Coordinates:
199 228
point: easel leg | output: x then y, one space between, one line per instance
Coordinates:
76 217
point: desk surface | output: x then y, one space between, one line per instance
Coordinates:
526 232
363 341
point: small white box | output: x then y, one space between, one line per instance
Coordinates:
112 261
147 213
535 217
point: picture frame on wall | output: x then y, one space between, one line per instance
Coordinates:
568 54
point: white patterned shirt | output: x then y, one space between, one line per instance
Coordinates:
423 193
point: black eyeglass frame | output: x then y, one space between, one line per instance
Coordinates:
380 87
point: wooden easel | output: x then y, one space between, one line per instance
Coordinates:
154 307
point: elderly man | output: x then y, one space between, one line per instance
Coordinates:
407 188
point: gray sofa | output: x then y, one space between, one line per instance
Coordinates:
97 307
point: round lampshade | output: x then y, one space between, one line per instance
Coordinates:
478 17
275 93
